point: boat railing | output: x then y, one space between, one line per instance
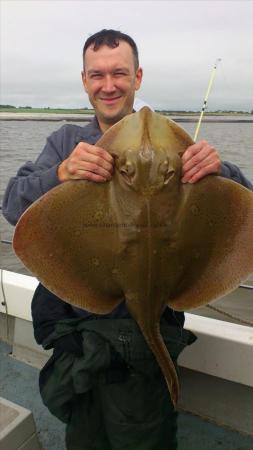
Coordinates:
6 241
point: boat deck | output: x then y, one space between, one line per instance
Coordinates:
19 384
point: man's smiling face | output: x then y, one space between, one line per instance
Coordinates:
110 80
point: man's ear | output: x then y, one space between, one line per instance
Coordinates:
138 78
84 80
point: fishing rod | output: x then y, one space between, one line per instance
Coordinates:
215 308
206 98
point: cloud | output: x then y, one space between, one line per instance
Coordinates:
178 43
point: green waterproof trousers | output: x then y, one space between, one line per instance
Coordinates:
114 396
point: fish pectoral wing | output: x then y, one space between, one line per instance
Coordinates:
216 246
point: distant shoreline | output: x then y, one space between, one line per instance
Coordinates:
90 111
87 117
42 117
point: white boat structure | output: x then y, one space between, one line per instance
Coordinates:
216 372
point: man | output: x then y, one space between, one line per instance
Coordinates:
102 380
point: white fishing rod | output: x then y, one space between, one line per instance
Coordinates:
206 98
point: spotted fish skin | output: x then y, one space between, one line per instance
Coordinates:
144 236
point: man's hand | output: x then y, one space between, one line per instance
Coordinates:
87 162
199 160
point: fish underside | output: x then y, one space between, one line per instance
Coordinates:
144 236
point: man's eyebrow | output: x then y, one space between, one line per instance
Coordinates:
93 71
117 69
121 69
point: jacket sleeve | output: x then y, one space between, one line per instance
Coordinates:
233 173
33 179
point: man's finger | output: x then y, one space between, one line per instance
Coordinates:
202 172
97 169
89 176
98 151
198 158
192 150
96 159
208 161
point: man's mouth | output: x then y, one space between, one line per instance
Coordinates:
110 100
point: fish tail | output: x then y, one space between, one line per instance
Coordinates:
164 360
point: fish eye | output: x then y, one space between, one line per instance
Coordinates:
168 175
163 169
127 168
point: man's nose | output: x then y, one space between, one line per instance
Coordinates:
108 85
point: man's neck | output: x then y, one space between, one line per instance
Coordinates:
104 126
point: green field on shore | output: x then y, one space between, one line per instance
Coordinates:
46 110
10 109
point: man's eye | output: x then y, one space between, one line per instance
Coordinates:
119 74
96 76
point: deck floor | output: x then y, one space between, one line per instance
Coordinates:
19 384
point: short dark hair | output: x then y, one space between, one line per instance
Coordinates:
111 38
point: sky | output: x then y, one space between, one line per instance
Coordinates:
179 43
